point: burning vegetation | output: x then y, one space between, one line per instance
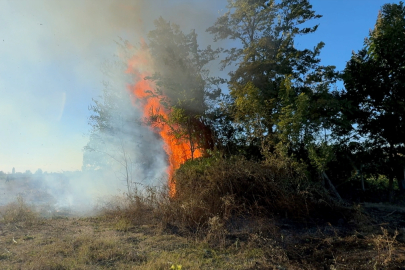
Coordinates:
268 168
178 146
275 146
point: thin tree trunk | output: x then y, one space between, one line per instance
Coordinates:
401 183
391 176
332 187
362 179
391 188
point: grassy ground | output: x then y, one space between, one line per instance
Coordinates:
374 239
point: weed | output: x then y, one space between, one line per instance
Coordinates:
18 212
176 267
384 246
217 232
5 256
123 225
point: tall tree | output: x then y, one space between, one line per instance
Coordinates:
183 82
267 60
374 79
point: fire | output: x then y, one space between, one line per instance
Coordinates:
177 150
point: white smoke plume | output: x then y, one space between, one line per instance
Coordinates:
51 58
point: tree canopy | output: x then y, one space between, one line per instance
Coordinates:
279 100
374 80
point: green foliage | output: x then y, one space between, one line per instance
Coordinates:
250 110
304 124
320 155
377 183
374 80
276 87
293 115
280 104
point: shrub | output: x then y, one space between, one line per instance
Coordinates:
216 197
18 212
226 188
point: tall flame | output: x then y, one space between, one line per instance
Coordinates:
177 150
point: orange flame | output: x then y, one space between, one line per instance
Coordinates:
177 150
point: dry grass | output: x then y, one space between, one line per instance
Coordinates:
384 245
97 243
18 212
227 214
224 189
122 238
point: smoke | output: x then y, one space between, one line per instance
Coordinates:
52 57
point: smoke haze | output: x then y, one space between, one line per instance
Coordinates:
51 58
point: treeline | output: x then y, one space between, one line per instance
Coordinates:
280 102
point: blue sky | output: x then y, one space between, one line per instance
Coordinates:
51 53
343 27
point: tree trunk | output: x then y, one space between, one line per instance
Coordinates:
391 167
362 178
332 187
391 188
401 182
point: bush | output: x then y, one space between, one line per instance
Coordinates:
217 197
227 188
18 212
376 188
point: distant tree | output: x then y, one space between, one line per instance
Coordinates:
374 80
38 172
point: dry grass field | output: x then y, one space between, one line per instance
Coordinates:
126 236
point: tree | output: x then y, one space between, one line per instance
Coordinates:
118 142
267 58
183 83
374 79
304 128
281 94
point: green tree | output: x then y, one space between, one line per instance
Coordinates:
304 128
374 79
281 94
266 59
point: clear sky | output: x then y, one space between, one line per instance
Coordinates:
343 27
51 53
